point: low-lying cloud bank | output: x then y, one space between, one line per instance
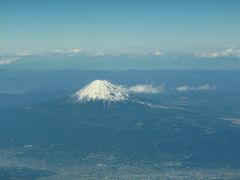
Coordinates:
220 53
68 52
110 53
7 61
90 53
205 87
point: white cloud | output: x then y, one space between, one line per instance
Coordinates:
57 51
157 52
99 54
104 53
25 53
223 53
204 87
94 53
75 50
68 52
7 61
235 121
145 89
126 52
183 88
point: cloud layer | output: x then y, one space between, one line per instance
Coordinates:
224 53
127 52
25 53
7 61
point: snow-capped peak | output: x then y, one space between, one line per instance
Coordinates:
101 90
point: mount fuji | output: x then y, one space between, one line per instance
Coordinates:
104 92
101 90
99 103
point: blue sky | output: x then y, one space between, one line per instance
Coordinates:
151 34
172 25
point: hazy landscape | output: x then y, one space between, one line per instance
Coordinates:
189 133
119 89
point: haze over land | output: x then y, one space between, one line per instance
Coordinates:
119 89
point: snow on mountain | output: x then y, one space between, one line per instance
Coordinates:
101 90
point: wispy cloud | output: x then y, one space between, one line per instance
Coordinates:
11 58
91 53
126 52
101 53
57 51
75 50
25 53
235 121
66 52
204 87
158 52
220 53
145 89
7 61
